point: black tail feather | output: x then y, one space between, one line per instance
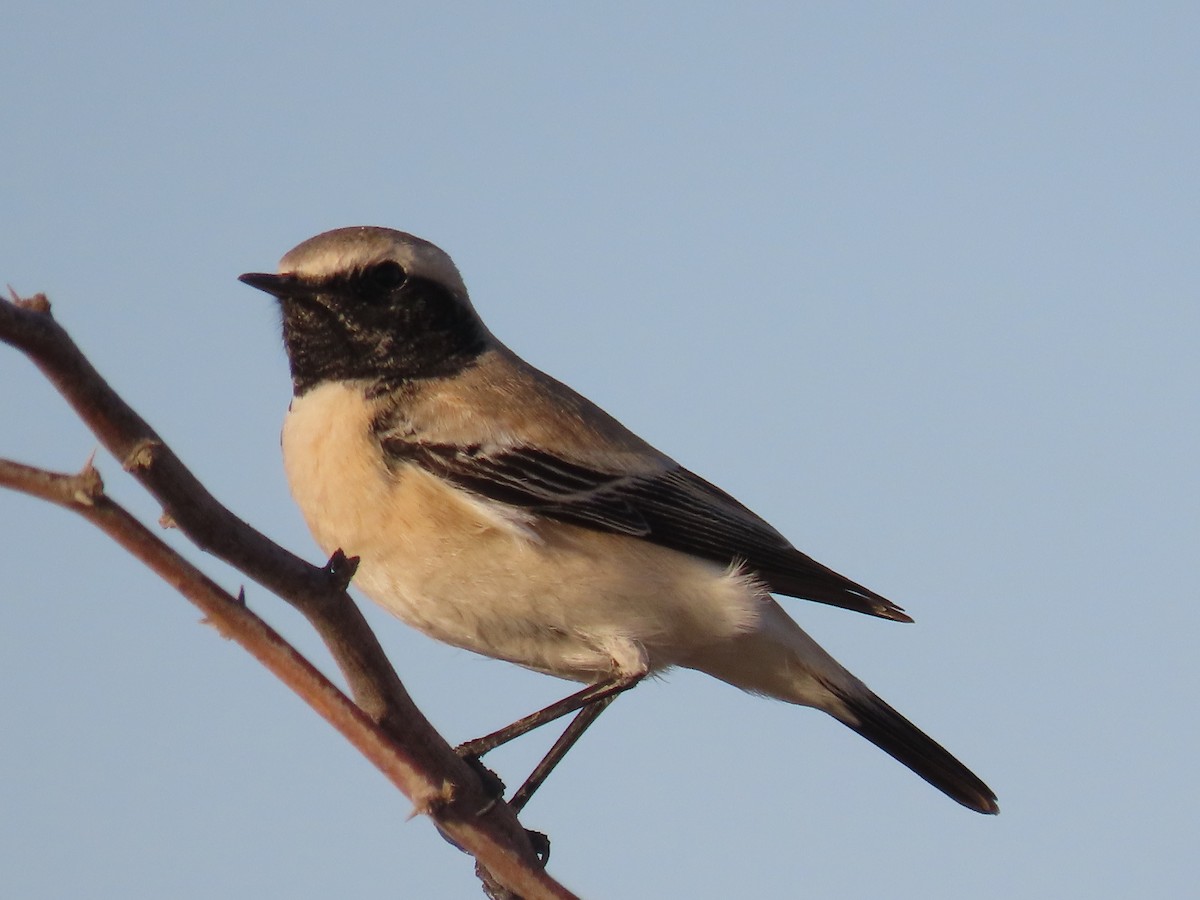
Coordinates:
901 739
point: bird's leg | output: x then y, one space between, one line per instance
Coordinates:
565 742
591 701
593 692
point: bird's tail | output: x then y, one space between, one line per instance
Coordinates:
780 660
906 743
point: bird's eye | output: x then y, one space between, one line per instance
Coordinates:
384 277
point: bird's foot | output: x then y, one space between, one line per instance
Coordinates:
492 785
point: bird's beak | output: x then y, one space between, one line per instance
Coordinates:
277 285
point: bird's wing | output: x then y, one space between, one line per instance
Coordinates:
670 506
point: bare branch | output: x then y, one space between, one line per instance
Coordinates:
83 493
385 725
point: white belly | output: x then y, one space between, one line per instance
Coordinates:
553 597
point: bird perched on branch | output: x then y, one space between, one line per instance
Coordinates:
497 510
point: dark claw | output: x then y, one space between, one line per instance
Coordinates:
541 846
492 785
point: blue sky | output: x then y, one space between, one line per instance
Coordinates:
917 282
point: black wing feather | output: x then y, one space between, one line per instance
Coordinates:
673 507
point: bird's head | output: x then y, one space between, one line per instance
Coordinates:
372 304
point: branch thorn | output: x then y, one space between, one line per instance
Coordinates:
142 455
341 568
38 303
88 485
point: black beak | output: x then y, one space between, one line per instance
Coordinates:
277 285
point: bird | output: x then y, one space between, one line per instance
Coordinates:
495 509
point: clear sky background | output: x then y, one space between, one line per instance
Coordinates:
917 282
